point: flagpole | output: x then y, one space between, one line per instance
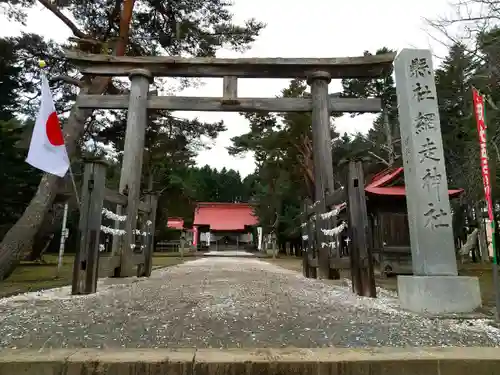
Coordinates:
489 195
496 281
47 150
494 234
74 186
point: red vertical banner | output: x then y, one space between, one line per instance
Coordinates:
481 131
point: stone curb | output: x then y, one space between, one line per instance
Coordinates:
328 361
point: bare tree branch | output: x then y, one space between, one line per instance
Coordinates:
497 150
379 158
53 8
85 40
67 79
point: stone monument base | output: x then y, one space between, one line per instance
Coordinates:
439 294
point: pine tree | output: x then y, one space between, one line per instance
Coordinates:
384 135
122 27
458 128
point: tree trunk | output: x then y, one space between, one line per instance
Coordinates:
20 237
388 135
51 224
48 228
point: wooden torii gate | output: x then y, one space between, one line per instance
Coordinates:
141 70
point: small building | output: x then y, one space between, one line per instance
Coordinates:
175 223
224 226
388 220
179 236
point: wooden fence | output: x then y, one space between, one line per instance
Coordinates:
335 234
90 261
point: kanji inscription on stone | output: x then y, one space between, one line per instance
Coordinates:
419 67
428 205
431 181
422 92
424 122
436 217
427 151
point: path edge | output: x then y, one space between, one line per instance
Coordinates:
331 361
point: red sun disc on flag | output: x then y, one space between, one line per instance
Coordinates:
53 130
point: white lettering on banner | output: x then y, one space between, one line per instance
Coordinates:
483 152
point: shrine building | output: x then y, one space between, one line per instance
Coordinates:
224 226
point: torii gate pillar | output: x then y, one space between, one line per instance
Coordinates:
130 177
322 158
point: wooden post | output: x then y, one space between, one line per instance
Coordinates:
152 201
142 219
482 241
322 155
130 178
304 232
311 243
230 90
86 266
182 244
334 253
361 256
274 243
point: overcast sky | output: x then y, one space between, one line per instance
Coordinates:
312 28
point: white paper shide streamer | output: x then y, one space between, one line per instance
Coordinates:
334 212
113 231
110 215
335 231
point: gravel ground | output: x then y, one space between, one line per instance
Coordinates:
224 302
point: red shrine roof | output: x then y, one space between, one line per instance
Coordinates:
381 184
224 216
175 223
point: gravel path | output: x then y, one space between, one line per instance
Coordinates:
224 302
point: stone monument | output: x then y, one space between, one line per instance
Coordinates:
435 286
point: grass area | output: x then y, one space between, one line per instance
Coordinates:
288 262
485 276
31 276
482 271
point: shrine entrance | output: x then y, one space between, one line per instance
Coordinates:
141 70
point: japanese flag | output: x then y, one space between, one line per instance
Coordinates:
47 151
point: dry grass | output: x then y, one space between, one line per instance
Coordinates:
32 276
484 273
288 262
